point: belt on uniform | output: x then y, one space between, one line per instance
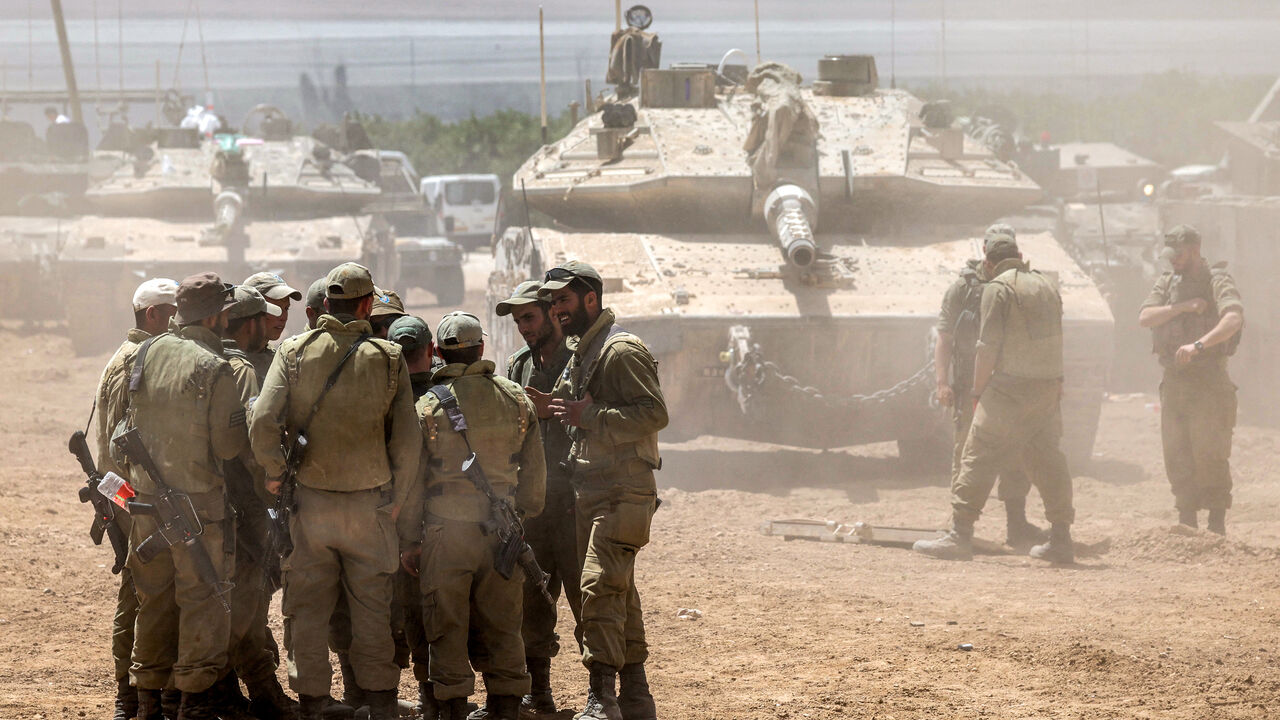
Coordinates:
457 487
631 467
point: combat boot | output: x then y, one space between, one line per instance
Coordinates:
428 708
198 706
634 698
126 707
1217 521
539 700
268 701
331 709
1188 517
591 708
503 707
1059 549
1021 535
603 680
312 707
453 709
957 544
351 693
170 699
480 712
149 705
382 704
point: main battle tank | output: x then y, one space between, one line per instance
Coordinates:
783 250
262 199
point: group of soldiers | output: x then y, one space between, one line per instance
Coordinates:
999 365
363 467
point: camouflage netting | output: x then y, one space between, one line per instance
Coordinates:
780 119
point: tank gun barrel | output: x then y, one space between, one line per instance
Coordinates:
791 213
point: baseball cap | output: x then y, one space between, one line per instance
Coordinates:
562 275
409 332
249 302
1181 235
459 330
386 302
998 230
999 245
348 281
156 291
525 293
200 296
315 295
272 286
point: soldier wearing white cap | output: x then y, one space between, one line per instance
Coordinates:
154 302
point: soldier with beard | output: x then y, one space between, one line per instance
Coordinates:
609 399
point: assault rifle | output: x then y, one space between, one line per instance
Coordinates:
176 520
279 542
104 514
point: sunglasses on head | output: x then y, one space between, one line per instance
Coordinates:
559 273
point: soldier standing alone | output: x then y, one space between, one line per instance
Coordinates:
1018 384
610 400
1196 316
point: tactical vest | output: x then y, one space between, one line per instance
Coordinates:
965 339
171 410
1190 327
1032 326
497 423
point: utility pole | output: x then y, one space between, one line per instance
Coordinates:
68 70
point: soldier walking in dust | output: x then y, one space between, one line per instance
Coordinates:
953 362
1018 386
1196 317
471 416
349 395
185 406
154 302
610 400
553 534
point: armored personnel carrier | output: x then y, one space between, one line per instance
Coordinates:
784 249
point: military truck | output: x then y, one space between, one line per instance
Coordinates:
783 249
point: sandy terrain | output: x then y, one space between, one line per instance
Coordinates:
1149 624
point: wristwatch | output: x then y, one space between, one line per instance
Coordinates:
1199 346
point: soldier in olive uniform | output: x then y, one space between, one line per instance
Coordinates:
361 456
276 291
184 402
609 398
553 534
1018 383
315 302
953 364
461 589
253 652
1196 316
387 306
153 305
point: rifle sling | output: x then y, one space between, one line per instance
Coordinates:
458 421
329 383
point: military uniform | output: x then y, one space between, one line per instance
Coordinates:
461 590
1019 411
1197 399
960 317
112 400
362 453
189 414
553 534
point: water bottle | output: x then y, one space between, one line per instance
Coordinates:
116 489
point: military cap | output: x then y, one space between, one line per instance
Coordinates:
386 302
459 330
562 275
525 293
409 332
348 281
272 286
315 295
200 296
156 291
249 302
1181 235
1000 245
998 230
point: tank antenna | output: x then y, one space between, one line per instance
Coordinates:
542 82
617 15
758 57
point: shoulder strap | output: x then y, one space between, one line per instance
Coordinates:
592 357
330 382
135 375
449 402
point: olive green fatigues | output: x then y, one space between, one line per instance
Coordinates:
553 534
251 652
362 453
461 590
613 456
1197 400
1019 413
190 417
959 318
112 400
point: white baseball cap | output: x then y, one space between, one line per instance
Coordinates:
156 291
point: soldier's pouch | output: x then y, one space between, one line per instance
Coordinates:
627 521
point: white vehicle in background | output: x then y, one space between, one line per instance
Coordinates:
465 206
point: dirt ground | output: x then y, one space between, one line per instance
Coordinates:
1149 624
